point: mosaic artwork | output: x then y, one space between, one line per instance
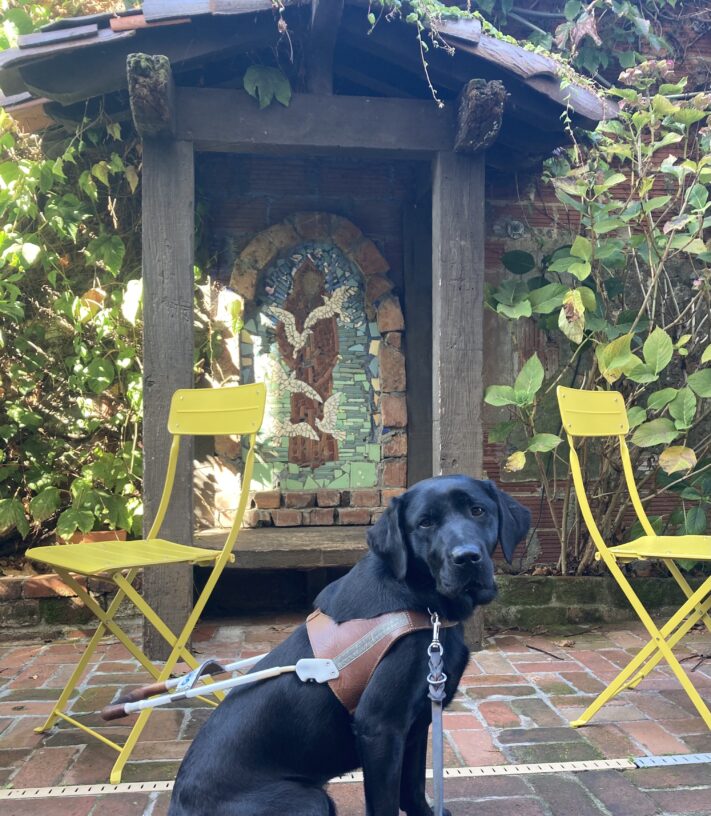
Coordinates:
308 336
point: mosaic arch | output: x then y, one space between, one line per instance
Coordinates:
312 286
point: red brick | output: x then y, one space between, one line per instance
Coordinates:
46 586
71 806
268 499
395 445
10 588
46 767
391 493
364 498
376 514
286 518
319 517
395 473
390 315
328 498
376 286
123 804
392 369
299 499
499 715
353 515
393 339
475 747
684 802
618 794
257 518
654 738
394 411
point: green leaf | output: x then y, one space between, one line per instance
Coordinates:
107 251
683 408
588 297
706 356
502 430
677 458
12 516
72 520
695 521
266 84
101 374
520 309
688 116
581 270
101 171
658 350
656 432
543 442
640 373
44 504
659 399
582 248
518 262
548 298
500 395
700 382
636 416
614 356
529 381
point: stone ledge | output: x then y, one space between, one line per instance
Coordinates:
291 548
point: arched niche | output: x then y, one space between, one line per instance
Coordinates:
314 290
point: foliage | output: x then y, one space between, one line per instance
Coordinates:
629 288
267 84
70 295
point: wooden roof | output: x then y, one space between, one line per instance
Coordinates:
75 59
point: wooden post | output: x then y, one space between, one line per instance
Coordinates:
417 257
168 235
457 314
325 20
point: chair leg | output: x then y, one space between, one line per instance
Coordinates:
76 675
178 649
685 588
660 646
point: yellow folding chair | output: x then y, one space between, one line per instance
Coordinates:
203 411
603 414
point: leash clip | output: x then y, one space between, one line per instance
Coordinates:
435 646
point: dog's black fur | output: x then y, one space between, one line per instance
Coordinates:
269 748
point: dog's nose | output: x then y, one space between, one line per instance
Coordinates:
466 554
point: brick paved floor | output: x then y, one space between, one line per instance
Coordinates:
513 707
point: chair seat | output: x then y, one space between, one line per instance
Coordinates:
109 556
688 547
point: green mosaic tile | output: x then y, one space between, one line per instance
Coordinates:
364 474
340 482
293 484
374 453
292 468
263 474
310 483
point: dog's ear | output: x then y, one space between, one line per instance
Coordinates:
386 540
514 521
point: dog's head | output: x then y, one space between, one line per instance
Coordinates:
445 530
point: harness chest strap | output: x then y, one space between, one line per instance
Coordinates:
357 646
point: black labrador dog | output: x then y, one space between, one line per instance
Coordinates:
269 748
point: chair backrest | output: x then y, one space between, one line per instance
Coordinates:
598 414
237 410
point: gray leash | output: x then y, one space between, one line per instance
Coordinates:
436 679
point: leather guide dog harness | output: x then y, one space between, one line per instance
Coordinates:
357 646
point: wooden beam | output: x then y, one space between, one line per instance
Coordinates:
457 304
480 110
168 256
325 21
230 120
417 269
458 235
151 92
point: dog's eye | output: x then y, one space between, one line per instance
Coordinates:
475 510
425 523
